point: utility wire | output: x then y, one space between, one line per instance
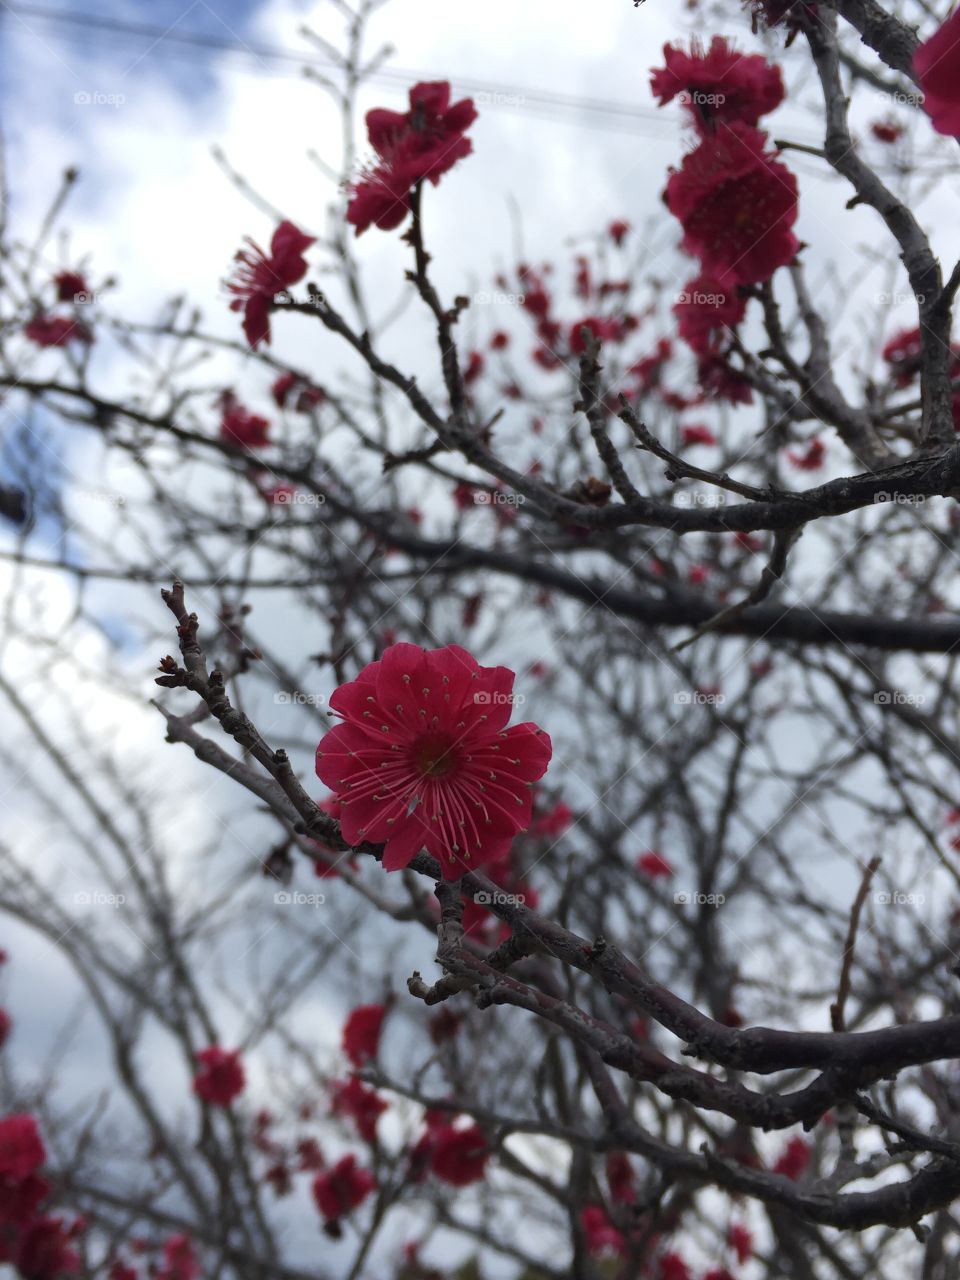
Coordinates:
501 95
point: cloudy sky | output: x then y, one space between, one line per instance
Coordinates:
568 134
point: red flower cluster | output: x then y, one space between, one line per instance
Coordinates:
737 204
259 278
423 142
360 1103
706 310
887 131
794 1159
673 1267
455 1153
810 458
424 758
600 1236
57 331
69 284
37 1244
239 427
179 1260
341 1189
718 86
620 1178
740 1241
553 823
308 397
654 865
937 64
361 1033
221 1077
697 433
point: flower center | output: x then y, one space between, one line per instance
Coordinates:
434 757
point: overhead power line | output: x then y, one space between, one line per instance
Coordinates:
603 111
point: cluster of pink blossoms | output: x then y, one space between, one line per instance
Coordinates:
736 201
422 143
36 1243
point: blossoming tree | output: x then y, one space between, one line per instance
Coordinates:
577 708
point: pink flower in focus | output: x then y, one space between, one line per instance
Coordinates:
719 85
737 204
424 142
424 758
